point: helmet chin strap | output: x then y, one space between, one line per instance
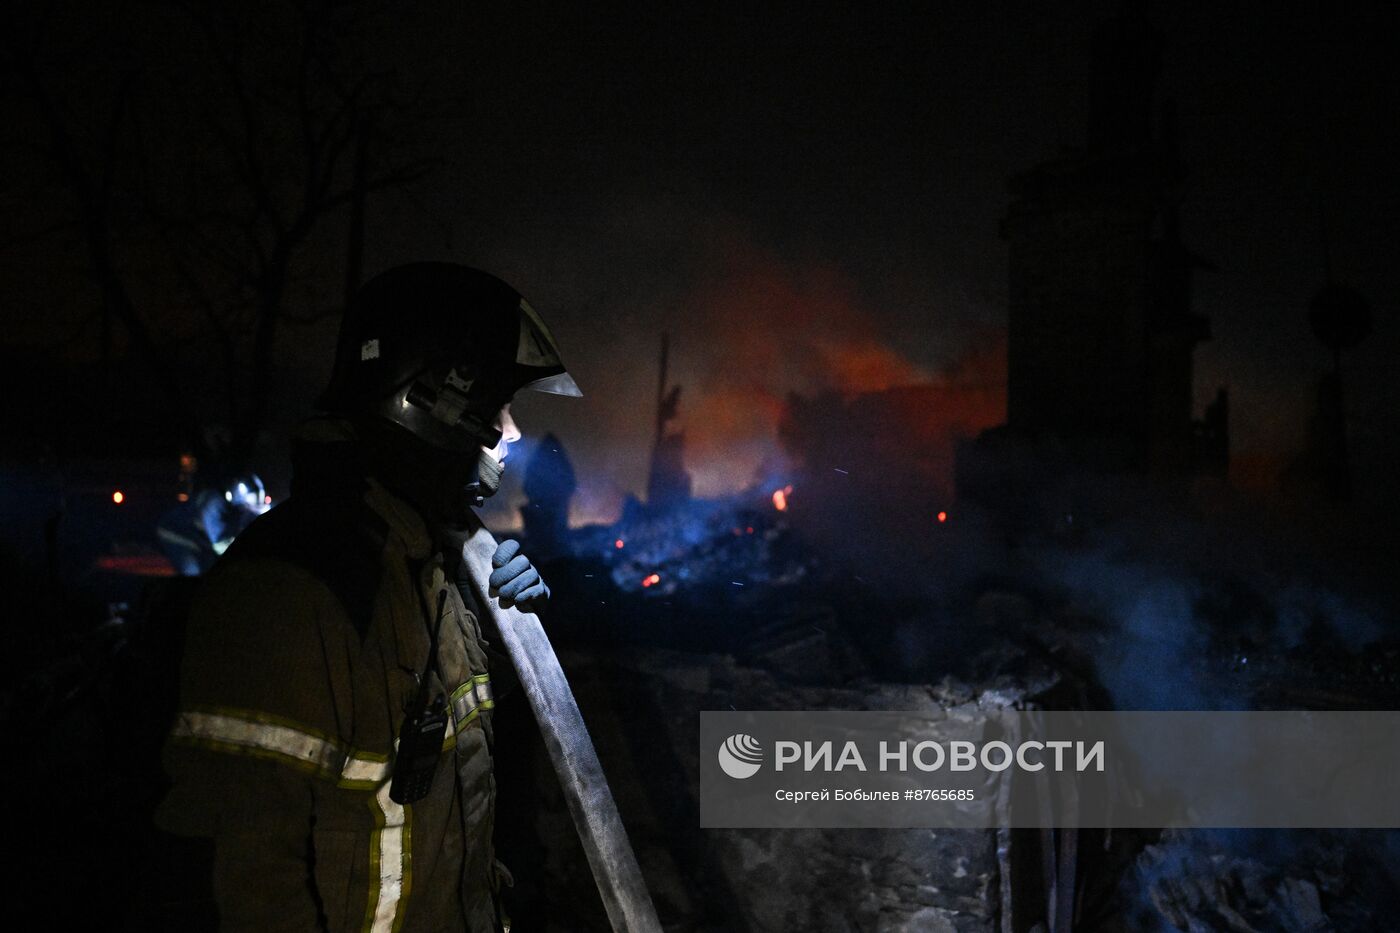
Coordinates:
489 470
440 485
488 479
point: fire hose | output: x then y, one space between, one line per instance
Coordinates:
570 748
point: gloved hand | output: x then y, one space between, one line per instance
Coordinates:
515 580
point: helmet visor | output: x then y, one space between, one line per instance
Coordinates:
558 384
536 349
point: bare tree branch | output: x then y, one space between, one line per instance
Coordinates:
93 201
285 130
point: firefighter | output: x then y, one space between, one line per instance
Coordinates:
194 533
334 736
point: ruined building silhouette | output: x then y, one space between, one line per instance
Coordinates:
1100 327
668 483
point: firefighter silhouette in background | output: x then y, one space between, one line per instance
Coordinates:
196 532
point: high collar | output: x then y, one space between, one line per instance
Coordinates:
330 464
403 520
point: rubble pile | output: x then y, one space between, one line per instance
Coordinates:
643 710
1236 881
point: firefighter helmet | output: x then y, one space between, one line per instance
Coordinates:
438 349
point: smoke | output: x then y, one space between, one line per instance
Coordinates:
1301 607
771 329
1196 605
895 381
748 326
1155 658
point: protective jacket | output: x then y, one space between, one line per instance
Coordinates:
304 651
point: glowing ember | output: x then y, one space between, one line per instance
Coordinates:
652 580
780 498
942 516
118 497
618 544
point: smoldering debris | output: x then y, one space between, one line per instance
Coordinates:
642 706
1189 612
1236 880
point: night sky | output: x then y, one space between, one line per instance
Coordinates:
810 200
